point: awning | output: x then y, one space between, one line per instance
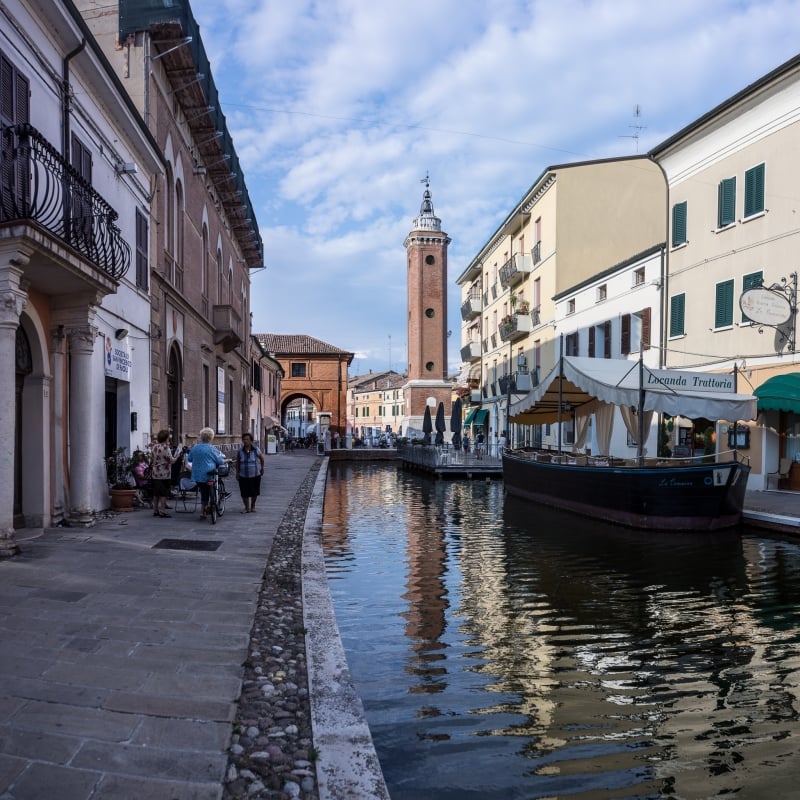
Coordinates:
470 373
780 393
616 381
480 418
470 416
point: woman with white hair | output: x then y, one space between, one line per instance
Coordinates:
204 458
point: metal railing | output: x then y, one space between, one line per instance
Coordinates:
445 455
37 183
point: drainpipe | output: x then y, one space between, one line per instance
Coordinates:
65 99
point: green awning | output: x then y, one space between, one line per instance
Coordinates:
480 418
470 416
780 393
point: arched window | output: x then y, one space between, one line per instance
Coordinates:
220 279
230 285
179 216
169 231
205 275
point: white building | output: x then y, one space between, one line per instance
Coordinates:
77 164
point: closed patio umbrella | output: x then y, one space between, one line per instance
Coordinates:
455 423
441 426
427 425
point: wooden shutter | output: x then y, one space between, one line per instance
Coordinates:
723 309
645 314
754 190
607 340
726 212
141 250
679 224
677 315
14 166
591 341
625 334
751 281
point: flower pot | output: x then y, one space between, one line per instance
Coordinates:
122 499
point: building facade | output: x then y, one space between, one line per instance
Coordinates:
733 228
77 165
375 405
205 238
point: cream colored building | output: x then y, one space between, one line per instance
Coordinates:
375 404
575 221
733 211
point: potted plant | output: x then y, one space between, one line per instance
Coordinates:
120 480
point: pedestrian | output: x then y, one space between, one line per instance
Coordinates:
204 458
161 461
249 469
479 445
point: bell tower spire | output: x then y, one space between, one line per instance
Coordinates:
426 263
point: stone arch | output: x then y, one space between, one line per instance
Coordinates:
35 420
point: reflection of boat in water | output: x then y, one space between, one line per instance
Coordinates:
659 494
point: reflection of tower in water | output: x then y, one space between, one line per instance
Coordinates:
426 593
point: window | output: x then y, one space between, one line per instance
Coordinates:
602 293
257 383
723 307
141 250
571 306
638 276
606 329
726 203
571 344
679 224
591 341
750 282
82 218
298 370
14 110
754 191
677 315
204 277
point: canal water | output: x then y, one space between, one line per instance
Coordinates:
505 651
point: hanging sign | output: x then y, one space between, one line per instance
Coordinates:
764 306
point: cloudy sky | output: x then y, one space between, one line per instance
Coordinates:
338 109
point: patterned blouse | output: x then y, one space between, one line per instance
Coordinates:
161 462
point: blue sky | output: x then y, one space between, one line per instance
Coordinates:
338 108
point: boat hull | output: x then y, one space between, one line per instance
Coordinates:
692 497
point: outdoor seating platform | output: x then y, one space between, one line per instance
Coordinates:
443 461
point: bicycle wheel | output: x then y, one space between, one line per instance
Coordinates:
212 505
221 495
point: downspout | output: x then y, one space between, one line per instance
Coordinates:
65 99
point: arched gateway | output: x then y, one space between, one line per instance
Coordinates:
312 369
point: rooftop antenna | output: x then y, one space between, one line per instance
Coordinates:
637 115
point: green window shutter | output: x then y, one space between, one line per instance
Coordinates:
754 191
726 210
749 282
723 310
677 315
679 224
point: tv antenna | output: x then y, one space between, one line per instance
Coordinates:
637 127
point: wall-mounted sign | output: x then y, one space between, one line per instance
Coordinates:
117 359
765 306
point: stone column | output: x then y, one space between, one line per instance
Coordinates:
12 301
82 423
59 468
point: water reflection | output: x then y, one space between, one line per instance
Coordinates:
507 652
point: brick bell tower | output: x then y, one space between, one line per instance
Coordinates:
426 261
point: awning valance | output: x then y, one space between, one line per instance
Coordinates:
780 393
480 418
470 416
616 381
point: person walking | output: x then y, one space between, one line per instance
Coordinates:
161 461
204 458
249 469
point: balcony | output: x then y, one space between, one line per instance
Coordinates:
536 253
517 383
475 396
39 185
515 269
471 307
227 328
515 326
471 351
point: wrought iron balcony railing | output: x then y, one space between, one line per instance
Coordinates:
37 183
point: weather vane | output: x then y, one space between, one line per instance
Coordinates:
426 180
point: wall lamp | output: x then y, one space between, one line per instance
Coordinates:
126 168
120 333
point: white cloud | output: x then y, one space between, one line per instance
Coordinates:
338 108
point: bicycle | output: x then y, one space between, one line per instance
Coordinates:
217 494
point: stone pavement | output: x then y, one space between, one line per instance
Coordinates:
773 510
121 664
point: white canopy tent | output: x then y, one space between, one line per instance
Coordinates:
589 381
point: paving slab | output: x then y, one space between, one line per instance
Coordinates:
121 663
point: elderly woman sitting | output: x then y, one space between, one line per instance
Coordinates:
204 458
